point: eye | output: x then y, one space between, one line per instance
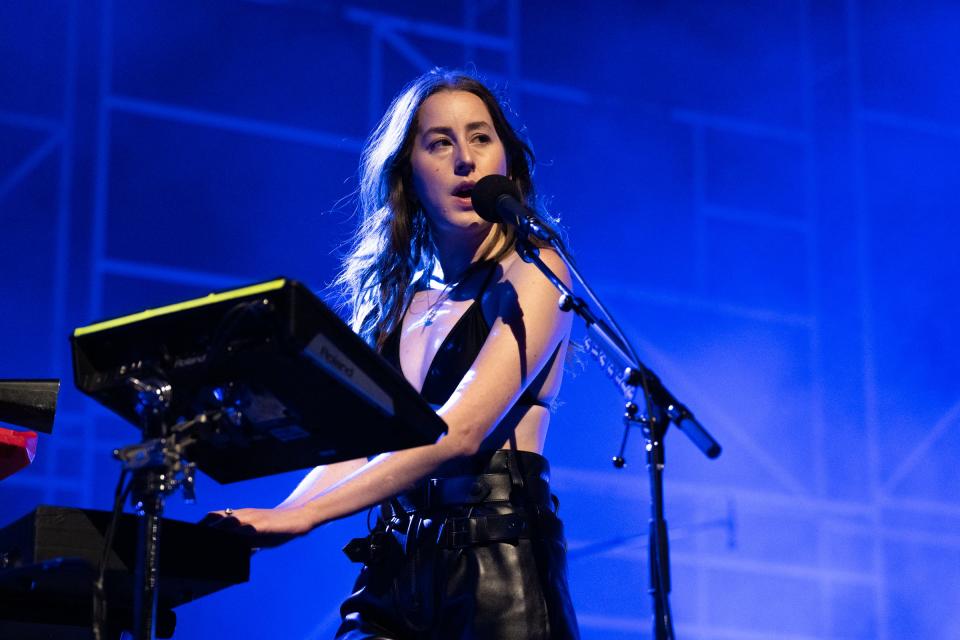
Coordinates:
438 143
482 138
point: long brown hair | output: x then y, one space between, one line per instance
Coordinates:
393 251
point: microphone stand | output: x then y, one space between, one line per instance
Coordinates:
610 348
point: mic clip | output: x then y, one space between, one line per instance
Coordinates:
530 226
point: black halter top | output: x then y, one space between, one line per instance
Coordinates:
456 353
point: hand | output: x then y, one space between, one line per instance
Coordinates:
266 527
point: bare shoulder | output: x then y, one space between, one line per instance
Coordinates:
527 276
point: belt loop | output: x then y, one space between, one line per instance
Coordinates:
516 477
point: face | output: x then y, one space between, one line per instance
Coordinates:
456 144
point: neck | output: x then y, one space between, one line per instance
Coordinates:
456 252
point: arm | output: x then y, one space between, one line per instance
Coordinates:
527 330
319 480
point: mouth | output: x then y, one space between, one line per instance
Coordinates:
464 190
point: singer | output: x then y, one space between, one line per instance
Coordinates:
467 543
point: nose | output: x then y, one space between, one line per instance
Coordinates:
465 163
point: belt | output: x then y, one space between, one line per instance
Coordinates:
459 533
468 490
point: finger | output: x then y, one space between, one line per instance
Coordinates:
228 522
267 540
212 517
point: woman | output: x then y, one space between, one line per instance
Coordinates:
468 544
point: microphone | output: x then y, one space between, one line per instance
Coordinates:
496 199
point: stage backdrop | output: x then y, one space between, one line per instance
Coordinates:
763 192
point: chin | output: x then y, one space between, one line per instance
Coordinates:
467 221
473 221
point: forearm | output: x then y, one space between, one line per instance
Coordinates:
383 477
319 480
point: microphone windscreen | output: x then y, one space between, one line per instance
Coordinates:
486 193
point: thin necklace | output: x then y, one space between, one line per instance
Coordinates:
434 309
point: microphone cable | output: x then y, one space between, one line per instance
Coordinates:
120 495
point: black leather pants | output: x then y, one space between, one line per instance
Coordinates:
477 556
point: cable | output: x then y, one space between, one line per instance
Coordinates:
99 593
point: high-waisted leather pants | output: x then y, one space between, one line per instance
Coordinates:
475 556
